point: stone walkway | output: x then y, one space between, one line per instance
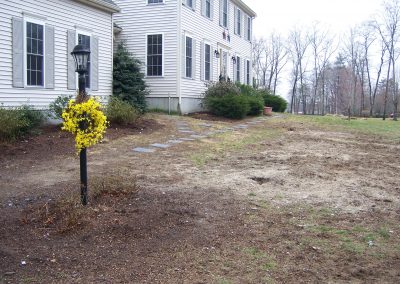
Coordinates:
188 134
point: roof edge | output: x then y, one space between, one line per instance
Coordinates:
245 8
108 6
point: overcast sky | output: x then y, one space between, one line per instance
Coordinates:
282 15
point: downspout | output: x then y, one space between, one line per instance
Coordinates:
179 57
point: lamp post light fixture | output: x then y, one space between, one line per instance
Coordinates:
234 59
81 55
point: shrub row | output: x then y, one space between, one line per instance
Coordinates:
236 100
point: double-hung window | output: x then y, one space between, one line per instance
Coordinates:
238 21
34 54
224 13
248 32
207 62
190 3
154 55
84 39
238 69
208 8
248 72
189 57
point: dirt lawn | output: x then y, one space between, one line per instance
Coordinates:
278 201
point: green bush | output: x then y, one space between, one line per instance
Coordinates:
121 112
277 103
57 107
220 89
230 106
128 83
246 89
256 105
15 122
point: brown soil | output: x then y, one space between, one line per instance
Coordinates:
302 205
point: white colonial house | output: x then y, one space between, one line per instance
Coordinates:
185 44
37 37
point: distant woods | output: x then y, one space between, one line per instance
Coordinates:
352 74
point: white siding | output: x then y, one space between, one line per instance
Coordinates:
63 15
137 19
203 28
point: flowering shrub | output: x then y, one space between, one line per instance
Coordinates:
86 121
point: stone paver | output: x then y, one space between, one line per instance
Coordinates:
174 141
183 127
198 136
144 150
159 145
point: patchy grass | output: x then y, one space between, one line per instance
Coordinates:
373 126
227 142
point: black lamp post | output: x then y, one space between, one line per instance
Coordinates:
81 54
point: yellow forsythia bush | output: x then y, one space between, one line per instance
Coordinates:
87 113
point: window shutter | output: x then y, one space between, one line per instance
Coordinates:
194 53
203 8
183 56
211 63
202 63
71 64
228 16
246 25
221 20
49 57
234 21
194 4
94 61
212 9
18 52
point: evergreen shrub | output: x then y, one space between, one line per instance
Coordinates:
128 83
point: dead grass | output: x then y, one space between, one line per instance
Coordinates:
67 214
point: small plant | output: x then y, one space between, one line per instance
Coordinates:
121 112
16 122
58 106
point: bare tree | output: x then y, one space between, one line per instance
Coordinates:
322 49
299 42
387 25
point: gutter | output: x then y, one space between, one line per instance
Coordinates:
102 5
245 8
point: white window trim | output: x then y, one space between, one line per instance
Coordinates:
163 56
89 34
236 68
38 22
154 4
184 3
206 42
238 15
227 15
211 12
247 71
193 63
249 28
